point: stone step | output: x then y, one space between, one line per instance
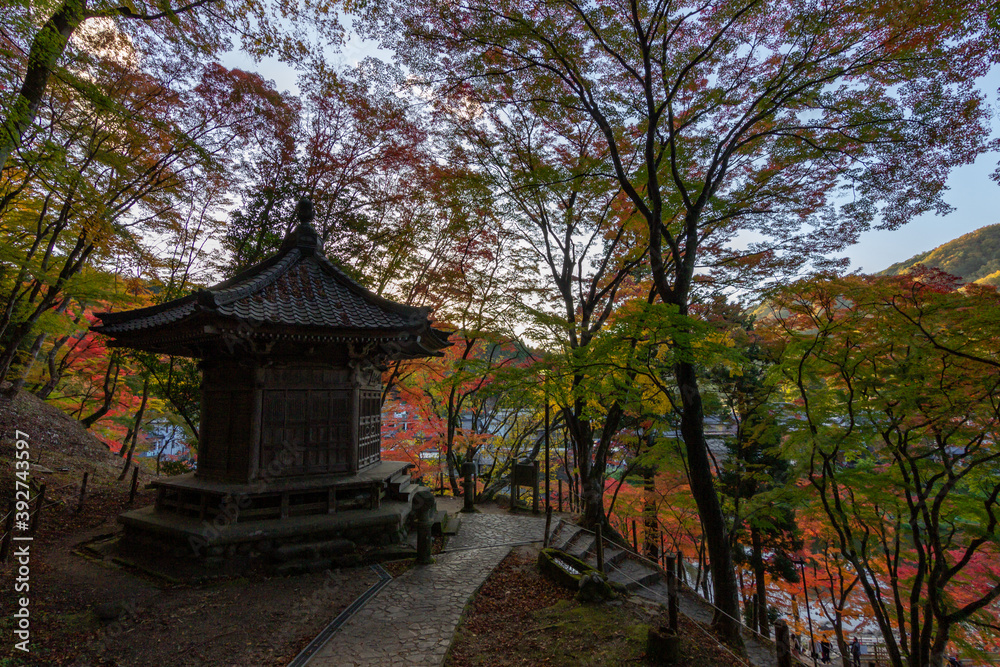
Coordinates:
557 538
656 591
612 556
558 529
297 567
574 540
571 545
563 539
567 539
397 482
312 551
445 524
397 551
632 574
440 519
582 545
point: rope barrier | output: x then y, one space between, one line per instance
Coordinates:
490 546
657 594
640 557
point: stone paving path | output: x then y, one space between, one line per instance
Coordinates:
501 529
413 619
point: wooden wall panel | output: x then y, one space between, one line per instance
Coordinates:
307 429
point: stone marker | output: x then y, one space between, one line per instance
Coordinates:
469 482
424 507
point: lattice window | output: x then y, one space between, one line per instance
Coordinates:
369 428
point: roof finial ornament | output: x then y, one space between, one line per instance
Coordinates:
304 210
304 237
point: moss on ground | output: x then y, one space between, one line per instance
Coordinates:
591 634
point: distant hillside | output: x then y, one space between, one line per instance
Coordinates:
974 257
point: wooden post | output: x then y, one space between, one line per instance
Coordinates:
8 533
635 540
600 550
548 523
548 502
534 488
38 510
560 494
672 592
135 483
83 491
782 644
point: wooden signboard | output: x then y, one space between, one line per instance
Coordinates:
525 474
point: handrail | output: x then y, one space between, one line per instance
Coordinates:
656 565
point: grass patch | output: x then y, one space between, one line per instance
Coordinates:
519 617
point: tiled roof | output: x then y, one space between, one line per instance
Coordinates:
146 318
297 287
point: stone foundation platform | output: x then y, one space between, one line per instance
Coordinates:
285 526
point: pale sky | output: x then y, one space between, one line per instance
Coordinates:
974 196
976 202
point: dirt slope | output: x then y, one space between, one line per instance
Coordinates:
49 429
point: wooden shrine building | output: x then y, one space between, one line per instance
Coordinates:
292 352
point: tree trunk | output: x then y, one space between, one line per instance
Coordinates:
710 510
124 448
43 57
650 524
758 573
749 604
18 334
36 348
452 468
700 574
56 370
135 429
73 264
110 386
938 647
28 364
591 462
838 630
